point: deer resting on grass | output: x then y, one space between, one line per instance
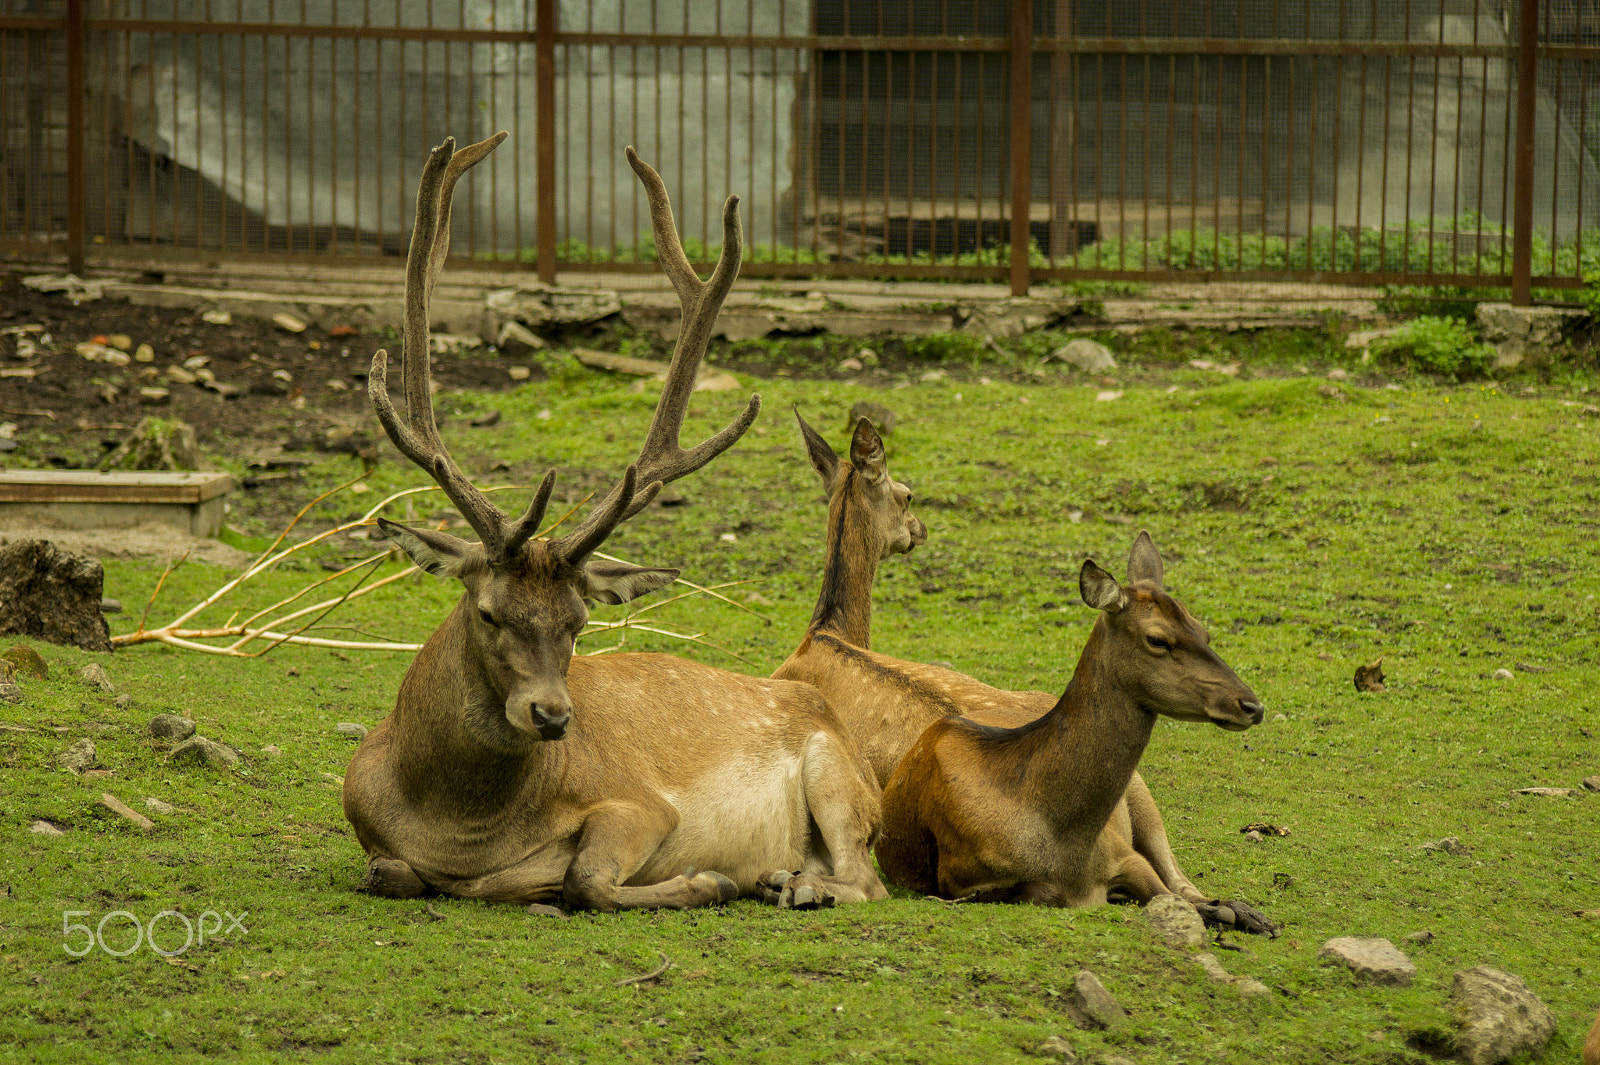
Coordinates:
511 770
887 703
990 814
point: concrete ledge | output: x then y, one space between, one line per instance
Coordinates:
84 499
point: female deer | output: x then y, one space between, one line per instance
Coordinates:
995 814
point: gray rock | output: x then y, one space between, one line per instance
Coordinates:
1092 1005
123 701
1249 985
1522 333
94 675
52 594
1213 968
10 691
1376 961
202 751
1450 845
79 756
1500 1017
1422 938
45 828
351 730
272 750
1591 783
171 727
1058 1047
1091 356
1176 921
517 340
159 807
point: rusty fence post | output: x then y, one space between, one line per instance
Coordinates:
76 105
1527 117
544 73
1021 141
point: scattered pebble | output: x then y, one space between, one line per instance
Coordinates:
120 341
1090 356
157 806
79 756
171 727
1504 674
1450 845
729 538
1338 375
1553 793
154 396
1422 938
850 365
487 418
1107 397
123 701
217 318
1059 1047
1591 783
196 362
351 730
1091 1005
1280 717
45 828
932 375
144 353
1176 921
519 373
272 750
288 323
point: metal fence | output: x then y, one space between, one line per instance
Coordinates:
1425 142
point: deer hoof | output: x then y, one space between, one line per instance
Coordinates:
804 893
727 890
772 884
392 879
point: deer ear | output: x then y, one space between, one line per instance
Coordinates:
1100 589
614 583
437 553
822 456
1144 564
866 452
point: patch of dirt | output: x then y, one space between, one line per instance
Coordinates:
151 540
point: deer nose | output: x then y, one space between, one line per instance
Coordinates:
551 722
1254 708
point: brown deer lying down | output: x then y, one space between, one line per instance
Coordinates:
887 703
512 771
1591 1045
993 814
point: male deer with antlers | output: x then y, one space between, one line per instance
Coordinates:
511 770
993 814
887 703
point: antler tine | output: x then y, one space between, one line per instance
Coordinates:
420 441
662 458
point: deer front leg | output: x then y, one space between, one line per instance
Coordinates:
613 844
845 805
1149 837
391 878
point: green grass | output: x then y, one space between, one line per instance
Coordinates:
1451 529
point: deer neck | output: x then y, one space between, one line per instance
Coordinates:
844 605
1080 756
436 756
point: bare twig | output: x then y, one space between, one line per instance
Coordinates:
435 914
644 978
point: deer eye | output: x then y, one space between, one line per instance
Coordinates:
488 619
1158 644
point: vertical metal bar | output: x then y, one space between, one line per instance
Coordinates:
1527 86
1021 140
544 91
76 177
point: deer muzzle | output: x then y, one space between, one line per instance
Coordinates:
545 716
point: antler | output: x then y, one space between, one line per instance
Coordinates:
419 441
662 458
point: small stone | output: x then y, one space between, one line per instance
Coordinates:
45 828
144 353
79 756
272 750
202 751
1090 356
1092 1004
851 365
716 382
868 357
1450 845
1213 968
1373 960
171 727
98 774
10 691
1249 985
1591 783
121 809
1500 1017
288 323
1504 674
120 341
1549 793
94 675
931 376
197 363
351 730
486 419
517 340
1280 717
1422 938
179 376
1176 921
159 807
519 373
154 396
1059 1047
540 909
217 318
123 701
1338 375
26 662
1254 835
1107 397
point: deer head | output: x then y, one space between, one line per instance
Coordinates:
884 501
525 600
1159 652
